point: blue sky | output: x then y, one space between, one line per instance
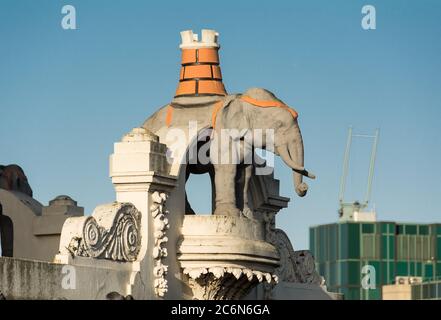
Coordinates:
67 95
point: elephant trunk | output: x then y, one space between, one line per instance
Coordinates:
295 150
292 155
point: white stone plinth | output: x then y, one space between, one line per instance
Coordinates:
224 256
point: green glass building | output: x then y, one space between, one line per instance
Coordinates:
427 291
393 249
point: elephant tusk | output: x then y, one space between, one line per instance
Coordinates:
283 152
308 174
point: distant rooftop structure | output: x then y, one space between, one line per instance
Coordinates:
412 288
355 211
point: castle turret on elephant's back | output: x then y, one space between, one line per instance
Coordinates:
201 97
200 71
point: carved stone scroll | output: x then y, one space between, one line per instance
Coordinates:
112 232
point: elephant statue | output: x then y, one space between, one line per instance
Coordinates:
239 113
13 178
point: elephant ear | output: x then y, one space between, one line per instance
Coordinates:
234 116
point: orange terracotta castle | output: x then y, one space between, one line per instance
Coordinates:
200 71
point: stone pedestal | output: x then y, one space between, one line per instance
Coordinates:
224 257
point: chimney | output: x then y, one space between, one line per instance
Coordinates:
200 72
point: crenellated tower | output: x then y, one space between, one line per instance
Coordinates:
200 71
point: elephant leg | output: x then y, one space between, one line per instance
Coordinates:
188 208
213 189
247 212
239 185
224 177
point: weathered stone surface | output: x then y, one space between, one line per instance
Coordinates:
112 232
36 280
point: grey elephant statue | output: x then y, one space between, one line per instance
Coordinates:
240 113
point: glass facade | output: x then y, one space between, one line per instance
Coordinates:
427 291
341 250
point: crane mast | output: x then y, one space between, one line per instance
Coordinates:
356 211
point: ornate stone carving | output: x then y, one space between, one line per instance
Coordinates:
295 266
225 283
112 232
287 269
160 227
305 268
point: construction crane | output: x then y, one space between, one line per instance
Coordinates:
356 211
